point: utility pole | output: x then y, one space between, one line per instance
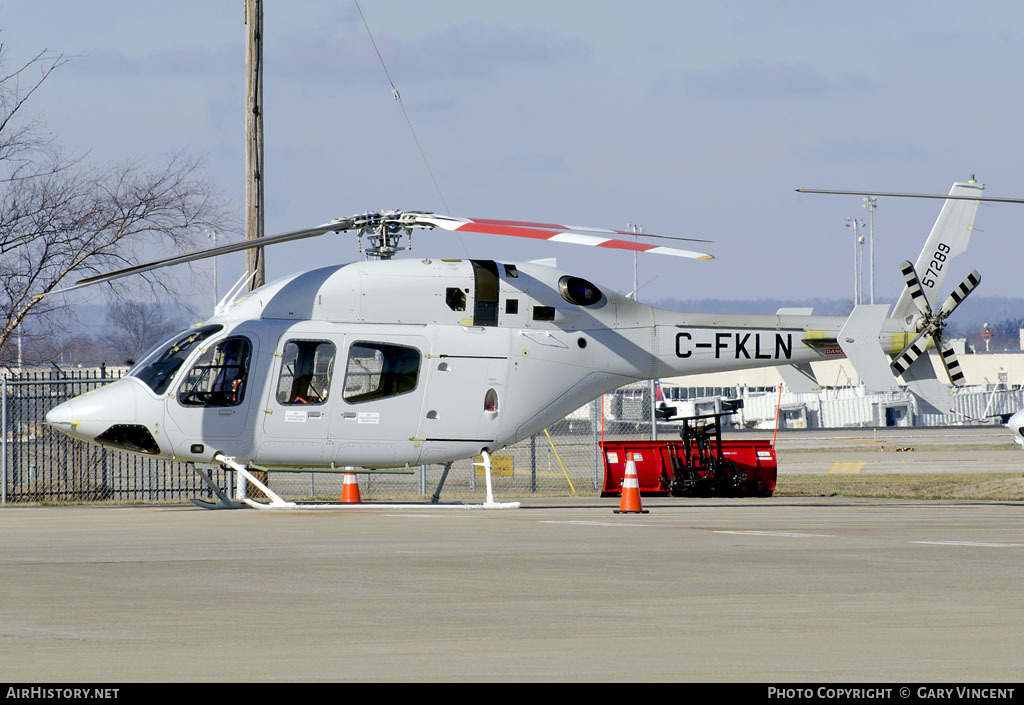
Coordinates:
254 161
254 139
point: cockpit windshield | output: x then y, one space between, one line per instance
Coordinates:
157 368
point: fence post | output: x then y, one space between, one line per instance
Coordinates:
3 470
652 410
596 409
533 463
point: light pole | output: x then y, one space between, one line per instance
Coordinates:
871 204
635 229
858 243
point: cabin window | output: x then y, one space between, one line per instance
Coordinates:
306 370
543 313
380 370
218 378
485 293
579 291
511 306
158 366
510 271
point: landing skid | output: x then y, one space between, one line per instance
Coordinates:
223 501
276 502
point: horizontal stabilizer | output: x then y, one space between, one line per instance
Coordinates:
799 378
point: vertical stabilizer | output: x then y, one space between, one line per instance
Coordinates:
859 341
949 238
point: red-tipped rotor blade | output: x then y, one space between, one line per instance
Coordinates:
563 236
579 228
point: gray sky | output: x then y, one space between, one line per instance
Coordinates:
689 118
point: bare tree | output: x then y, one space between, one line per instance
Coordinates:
61 219
136 325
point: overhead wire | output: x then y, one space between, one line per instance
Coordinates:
401 105
408 121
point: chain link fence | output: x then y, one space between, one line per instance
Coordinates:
39 464
563 460
43 465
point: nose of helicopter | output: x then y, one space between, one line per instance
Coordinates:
91 414
61 416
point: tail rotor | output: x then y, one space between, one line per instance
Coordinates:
933 324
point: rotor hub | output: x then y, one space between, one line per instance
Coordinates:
384 231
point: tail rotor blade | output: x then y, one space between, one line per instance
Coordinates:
913 351
952 365
960 293
914 287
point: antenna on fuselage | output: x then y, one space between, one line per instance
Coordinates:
236 288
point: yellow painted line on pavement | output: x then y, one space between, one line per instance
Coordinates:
845 467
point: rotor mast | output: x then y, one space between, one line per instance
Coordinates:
254 262
384 230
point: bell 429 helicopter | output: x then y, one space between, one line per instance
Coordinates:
389 362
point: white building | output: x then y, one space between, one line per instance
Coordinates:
994 389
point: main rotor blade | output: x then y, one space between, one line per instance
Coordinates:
580 228
960 293
565 236
334 226
913 195
914 287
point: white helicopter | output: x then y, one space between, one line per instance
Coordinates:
386 362
1016 425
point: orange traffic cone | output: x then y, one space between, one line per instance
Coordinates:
630 503
350 490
